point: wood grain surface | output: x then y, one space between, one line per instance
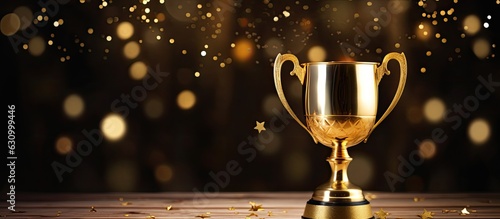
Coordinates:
237 205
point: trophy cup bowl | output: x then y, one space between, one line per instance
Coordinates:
340 106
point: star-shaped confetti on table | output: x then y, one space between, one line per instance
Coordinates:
260 126
255 207
168 208
207 215
464 212
426 214
381 214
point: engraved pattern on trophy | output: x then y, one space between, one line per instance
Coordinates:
352 129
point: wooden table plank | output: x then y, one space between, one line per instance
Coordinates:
236 205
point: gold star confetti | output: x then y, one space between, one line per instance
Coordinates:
269 213
260 126
370 196
151 217
426 214
252 214
464 212
92 209
207 215
58 213
231 208
381 214
168 207
255 207
126 203
418 199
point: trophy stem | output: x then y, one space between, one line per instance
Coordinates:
339 161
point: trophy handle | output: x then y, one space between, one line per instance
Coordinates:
401 58
300 73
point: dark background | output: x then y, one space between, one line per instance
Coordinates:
174 149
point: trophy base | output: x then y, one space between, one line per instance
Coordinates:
330 210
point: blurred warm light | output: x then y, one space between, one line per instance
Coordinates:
36 46
64 145
316 54
186 99
125 30
481 48
434 110
73 106
424 30
10 24
113 127
243 50
153 108
131 50
273 46
25 15
360 171
472 24
138 70
479 131
122 176
427 149
297 167
163 173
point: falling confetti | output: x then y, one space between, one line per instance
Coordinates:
260 126
168 208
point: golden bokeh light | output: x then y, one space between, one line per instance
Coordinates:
427 149
273 46
472 24
153 108
243 50
186 99
316 54
424 30
124 30
163 173
138 70
36 46
10 24
73 106
64 145
131 50
479 131
25 15
481 48
113 127
434 110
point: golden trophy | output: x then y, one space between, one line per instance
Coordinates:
340 101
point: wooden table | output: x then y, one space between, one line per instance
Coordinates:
236 205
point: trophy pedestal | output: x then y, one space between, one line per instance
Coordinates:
331 210
338 198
